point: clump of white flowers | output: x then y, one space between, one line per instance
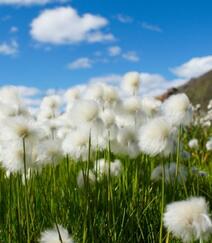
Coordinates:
56 235
189 219
87 119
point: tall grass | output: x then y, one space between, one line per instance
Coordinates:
120 209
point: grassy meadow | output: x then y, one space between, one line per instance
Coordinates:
126 208
101 190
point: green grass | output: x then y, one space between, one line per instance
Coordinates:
121 209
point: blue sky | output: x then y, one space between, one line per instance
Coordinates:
169 40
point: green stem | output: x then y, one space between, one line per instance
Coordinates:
26 191
10 208
178 151
162 202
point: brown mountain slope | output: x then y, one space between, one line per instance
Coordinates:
199 90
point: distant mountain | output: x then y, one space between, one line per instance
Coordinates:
199 90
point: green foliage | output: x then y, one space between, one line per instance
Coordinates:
119 209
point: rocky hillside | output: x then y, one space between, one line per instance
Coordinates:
199 90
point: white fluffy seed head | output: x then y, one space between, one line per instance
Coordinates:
115 167
51 102
108 117
76 144
10 95
132 104
193 143
209 144
72 94
103 167
12 155
49 152
95 92
169 173
156 137
150 106
110 95
21 128
85 110
84 177
178 109
131 82
53 236
188 219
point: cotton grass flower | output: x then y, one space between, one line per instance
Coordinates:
56 236
49 152
51 102
178 110
188 219
110 96
76 144
116 167
126 142
193 143
85 111
156 137
132 104
108 117
131 82
150 106
169 173
209 145
95 92
21 128
103 167
12 156
85 177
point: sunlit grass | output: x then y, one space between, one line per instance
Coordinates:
127 208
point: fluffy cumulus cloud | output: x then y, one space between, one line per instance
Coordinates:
9 48
131 56
14 29
156 84
112 79
81 63
194 67
151 84
63 25
28 2
114 51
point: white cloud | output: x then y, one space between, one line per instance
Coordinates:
124 18
151 27
156 84
131 56
9 48
81 63
114 51
14 29
194 67
64 25
27 91
112 79
28 2
152 84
